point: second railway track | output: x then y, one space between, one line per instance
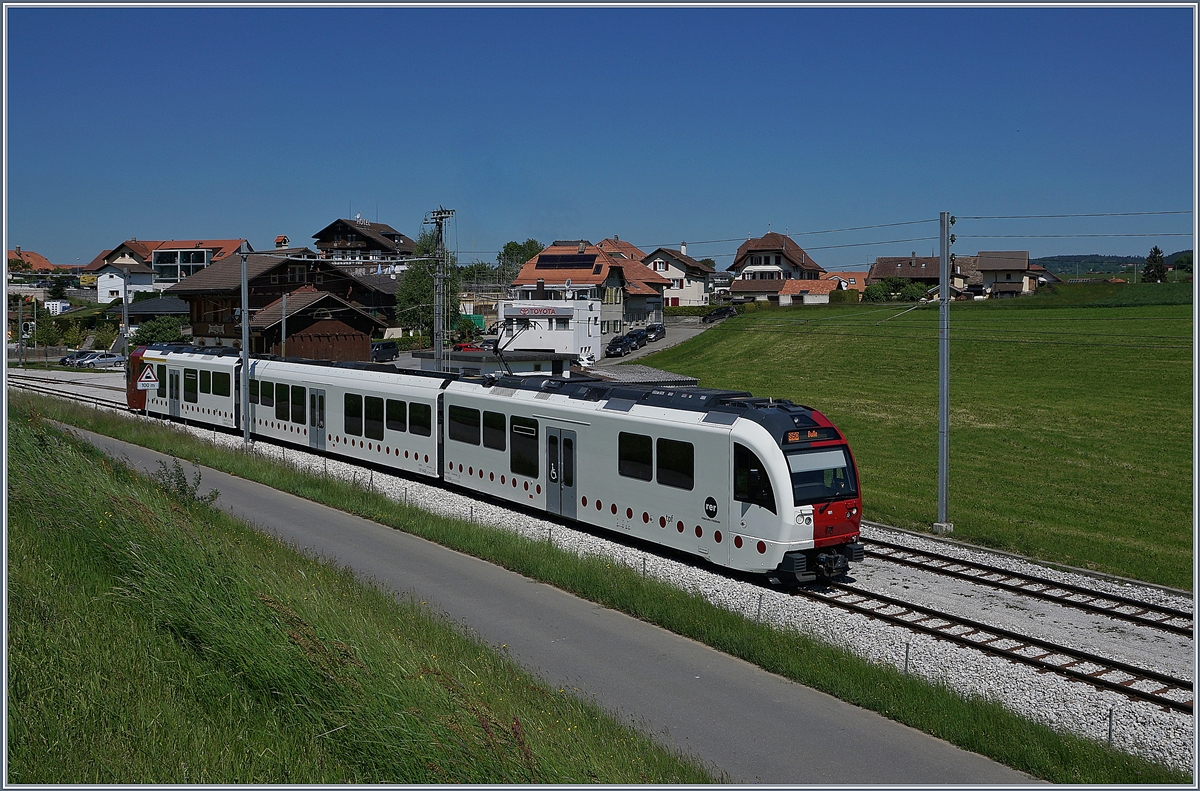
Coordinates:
1156 616
1101 672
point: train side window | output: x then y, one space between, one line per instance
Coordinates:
353 414
206 382
568 462
463 425
751 484
267 393
190 380
635 456
281 402
493 430
298 404
162 381
220 384
373 421
420 419
676 464
253 391
523 447
397 415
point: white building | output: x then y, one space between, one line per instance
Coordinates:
556 326
57 306
110 281
690 279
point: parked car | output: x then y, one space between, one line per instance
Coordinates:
489 344
639 337
384 351
656 332
74 357
102 360
585 360
719 313
467 347
619 346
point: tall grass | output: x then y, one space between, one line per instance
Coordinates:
978 725
154 640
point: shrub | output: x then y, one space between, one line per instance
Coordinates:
876 292
848 295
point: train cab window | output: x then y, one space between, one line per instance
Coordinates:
523 447
267 393
220 384
821 475
162 381
298 404
676 464
397 415
493 430
751 484
463 425
206 382
420 419
373 419
352 412
253 391
635 456
190 381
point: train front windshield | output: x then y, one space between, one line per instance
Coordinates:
822 474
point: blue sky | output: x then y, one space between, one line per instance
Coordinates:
660 125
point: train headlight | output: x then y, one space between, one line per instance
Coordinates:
802 519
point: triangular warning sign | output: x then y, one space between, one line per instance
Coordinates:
148 376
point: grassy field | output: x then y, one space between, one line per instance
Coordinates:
152 639
974 724
1071 414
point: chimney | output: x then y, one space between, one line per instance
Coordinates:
541 288
913 260
582 246
281 241
18 251
683 248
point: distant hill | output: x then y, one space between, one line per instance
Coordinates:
1095 262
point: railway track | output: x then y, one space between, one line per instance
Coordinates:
1137 683
42 387
1168 619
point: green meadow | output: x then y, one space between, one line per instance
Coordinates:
1070 414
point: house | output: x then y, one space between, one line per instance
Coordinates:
570 327
1006 273
320 326
168 262
214 294
690 279
761 267
926 270
1044 275
111 282
364 246
854 281
808 292
28 260
630 295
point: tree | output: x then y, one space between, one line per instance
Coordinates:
911 292
514 254
479 272
876 292
1155 270
164 329
18 265
73 335
58 288
414 295
709 262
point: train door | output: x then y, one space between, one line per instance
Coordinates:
560 471
755 509
173 376
316 419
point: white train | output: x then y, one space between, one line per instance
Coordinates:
747 483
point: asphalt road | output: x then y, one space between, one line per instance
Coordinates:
755 726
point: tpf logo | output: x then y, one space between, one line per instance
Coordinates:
710 508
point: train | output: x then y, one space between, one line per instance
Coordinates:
757 485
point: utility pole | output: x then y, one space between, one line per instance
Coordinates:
943 524
245 399
438 220
21 330
283 330
125 311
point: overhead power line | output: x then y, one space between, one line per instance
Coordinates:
1063 216
1063 235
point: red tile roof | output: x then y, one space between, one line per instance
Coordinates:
36 261
860 279
143 249
563 260
794 287
775 243
615 245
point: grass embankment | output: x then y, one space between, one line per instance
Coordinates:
153 639
1070 424
976 725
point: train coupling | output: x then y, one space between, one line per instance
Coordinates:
800 567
